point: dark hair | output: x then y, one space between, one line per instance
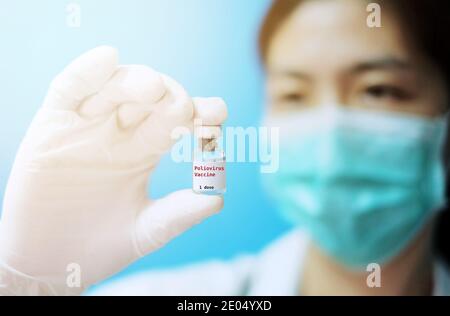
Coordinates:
429 23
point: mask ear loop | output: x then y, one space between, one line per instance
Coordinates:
441 227
446 145
445 156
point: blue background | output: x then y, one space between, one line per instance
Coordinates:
207 45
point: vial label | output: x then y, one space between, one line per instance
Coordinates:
209 177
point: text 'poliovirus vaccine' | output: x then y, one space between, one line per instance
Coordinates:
208 169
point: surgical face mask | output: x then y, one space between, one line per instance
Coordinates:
363 183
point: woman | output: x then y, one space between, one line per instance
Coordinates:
321 58
362 114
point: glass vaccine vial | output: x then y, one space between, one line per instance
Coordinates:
208 169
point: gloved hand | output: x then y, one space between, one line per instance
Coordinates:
76 196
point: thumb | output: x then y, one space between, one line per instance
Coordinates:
166 218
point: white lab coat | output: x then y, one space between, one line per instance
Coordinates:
275 271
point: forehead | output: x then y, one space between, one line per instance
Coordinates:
324 34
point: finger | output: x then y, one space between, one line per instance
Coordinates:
177 107
134 84
210 111
82 78
170 216
131 114
174 111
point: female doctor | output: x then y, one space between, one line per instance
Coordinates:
362 112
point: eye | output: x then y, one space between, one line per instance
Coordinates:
389 92
291 97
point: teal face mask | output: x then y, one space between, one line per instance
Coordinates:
362 183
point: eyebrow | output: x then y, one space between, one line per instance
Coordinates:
361 67
290 73
382 64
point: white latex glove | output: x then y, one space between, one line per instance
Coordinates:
77 191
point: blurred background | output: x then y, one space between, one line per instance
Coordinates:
208 46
